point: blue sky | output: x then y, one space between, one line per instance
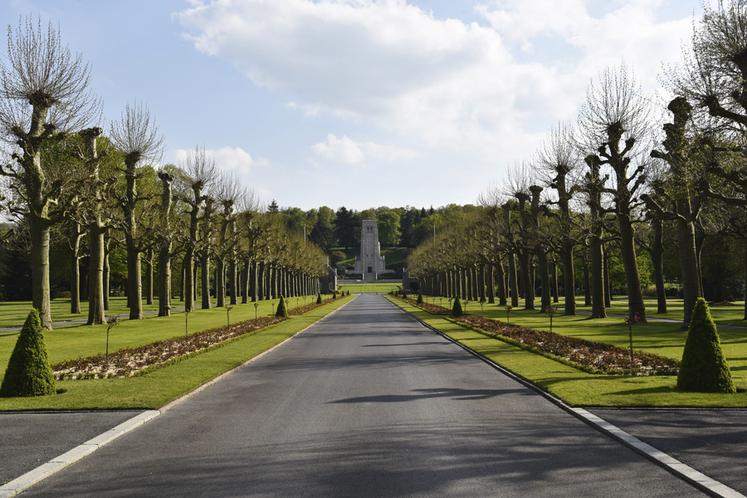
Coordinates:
361 103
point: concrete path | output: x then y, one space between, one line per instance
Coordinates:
365 403
27 440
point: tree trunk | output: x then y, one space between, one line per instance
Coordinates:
107 273
40 270
220 282
205 277
491 284
607 281
657 259
232 281
96 314
164 277
75 237
587 279
134 281
245 285
597 278
149 277
554 283
689 267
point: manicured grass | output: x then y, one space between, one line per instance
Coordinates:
731 314
13 313
157 387
381 288
583 389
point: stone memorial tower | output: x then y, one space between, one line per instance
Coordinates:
370 263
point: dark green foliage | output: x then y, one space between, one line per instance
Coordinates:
282 311
29 372
420 299
318 299
456 308
334 294
704 367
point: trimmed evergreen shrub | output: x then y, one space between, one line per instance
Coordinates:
29 372
704 367
318 299
456 308
420 299
282 311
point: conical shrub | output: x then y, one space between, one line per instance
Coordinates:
704 367
318 299
420 299
456 308
282 310
29 372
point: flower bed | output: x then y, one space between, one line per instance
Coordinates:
594 357
130 361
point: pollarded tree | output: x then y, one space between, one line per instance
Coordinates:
614 124
681 199
201 173
558 156
137 137
228 194
593 185
43 93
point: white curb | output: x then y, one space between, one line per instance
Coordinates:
25 481
669 463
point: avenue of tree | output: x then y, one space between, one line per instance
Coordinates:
627 176
68 181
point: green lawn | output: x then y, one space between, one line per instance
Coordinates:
381 288
156 387
730 314
580 388
13 313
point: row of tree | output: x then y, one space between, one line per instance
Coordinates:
612 182
67 179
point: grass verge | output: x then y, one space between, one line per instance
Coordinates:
574 386
159 386
380 288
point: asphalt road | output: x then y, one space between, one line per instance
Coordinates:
712 441
27 440
365 403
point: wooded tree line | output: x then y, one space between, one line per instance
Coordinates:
68 182
398 227
631 175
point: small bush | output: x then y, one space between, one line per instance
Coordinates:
318 299
282 310
420 299
456 308
704 367
29 372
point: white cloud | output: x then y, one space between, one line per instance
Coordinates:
234 161
478 91
347 151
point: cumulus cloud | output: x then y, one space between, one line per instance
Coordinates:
476 89
233 161
347 151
